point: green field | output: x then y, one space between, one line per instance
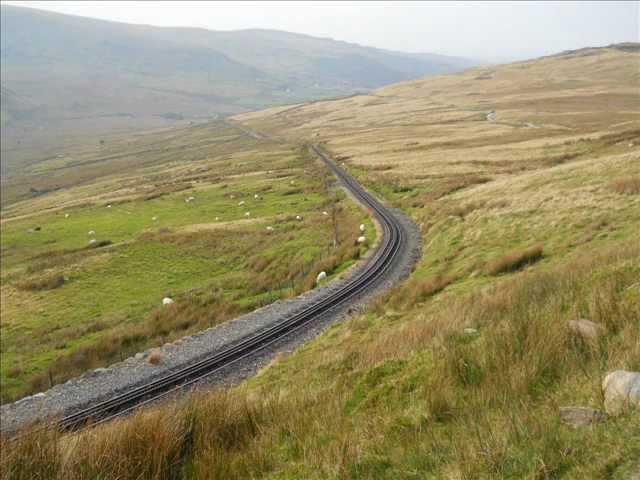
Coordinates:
70 305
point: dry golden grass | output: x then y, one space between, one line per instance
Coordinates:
155 358
548 111
626 186
44 282
514 260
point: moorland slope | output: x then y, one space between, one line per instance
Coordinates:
525 179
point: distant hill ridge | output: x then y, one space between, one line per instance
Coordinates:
57 66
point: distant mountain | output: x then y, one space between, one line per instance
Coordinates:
64 73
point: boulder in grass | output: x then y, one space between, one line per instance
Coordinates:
586 329
621 391
581 416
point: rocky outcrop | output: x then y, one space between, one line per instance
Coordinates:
621 391
586 329
581 416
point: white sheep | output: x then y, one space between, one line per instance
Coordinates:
167 301
298 217
232 196
321 276
325 213
241 203
92 241
91 232
66 215
269 229
217 218
247 214
362 227
108 206
362 239
154 218
256 196
292 182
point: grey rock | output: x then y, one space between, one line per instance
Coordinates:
581 416
621 391
139 356
586 329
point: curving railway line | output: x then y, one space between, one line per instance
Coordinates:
394 237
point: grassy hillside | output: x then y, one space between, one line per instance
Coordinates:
71 76
85 267
525 180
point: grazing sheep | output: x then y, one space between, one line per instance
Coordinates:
256 196
362 228
269 229
232 196
92 241
108 206
167 301
154 218
241 203
321 276
247 214
217 218
325 213
362 239
292 182
66 215
91 232
298 217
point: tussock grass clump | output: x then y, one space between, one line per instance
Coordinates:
44 282
155 358
514 260
626 186
420 290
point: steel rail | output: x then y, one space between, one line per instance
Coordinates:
393 239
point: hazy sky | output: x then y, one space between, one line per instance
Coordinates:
482 30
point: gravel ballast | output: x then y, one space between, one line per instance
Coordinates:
101 384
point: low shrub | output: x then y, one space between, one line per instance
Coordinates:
514 260
626 186
45 282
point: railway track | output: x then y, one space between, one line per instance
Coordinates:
372 275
